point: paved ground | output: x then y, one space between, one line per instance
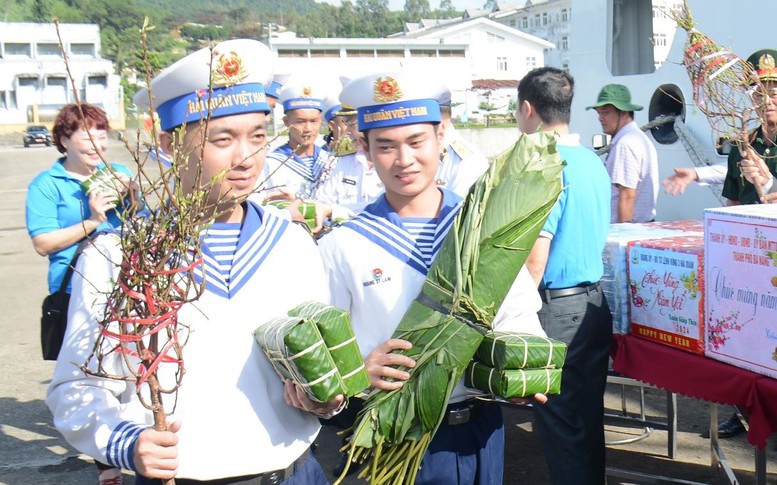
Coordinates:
32 452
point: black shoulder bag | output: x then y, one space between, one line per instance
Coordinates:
53 322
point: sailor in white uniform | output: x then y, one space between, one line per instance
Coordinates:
460 162
378 261
300 166
233 419
353 183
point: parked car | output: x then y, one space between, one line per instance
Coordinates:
37 134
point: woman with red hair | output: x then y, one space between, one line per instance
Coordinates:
59 212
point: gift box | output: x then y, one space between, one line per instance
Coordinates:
509 383
315 346
335 327
509 350
740 256
615 282
666 291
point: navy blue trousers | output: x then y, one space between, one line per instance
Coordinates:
570 425
467 454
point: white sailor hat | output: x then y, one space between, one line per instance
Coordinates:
332 107
445 98
273 88
302 92
225 80
393 98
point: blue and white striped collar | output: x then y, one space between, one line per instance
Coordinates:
308 167
379 223
259 234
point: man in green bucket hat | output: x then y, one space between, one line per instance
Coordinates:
632 161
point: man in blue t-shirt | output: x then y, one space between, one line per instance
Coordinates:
566 264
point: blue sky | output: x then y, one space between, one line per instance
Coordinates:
399 4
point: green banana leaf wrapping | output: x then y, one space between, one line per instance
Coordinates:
510 350
297 351
509 383
477 264
335 327
307 209
102 181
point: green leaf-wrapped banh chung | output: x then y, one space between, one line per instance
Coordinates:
335 327
510 350
307 209
477 264
510 383
298 352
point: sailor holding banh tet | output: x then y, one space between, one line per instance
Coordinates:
234 421
378 261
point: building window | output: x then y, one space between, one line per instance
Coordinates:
390 53
7 99
512 22
423 53
451 53
537 20
361 53
659 40
82 50
14 49
525 23
531 63
58 81
292 53
545 18
29 82
98 81
501 64
324 52
564 42
49 50
564 15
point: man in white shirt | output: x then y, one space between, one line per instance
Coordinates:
632 161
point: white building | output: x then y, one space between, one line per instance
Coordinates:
461 51
34 83
551 20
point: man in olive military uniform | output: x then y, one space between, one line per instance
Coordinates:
738 187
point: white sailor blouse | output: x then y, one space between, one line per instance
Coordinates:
352 185
234 419
460 164
299 175
376 267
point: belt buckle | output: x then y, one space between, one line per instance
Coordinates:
458 416
273 478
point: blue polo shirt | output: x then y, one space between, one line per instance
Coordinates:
579 222
55 200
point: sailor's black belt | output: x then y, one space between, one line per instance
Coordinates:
552 294
462 412
274 477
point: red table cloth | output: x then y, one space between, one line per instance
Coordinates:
702 378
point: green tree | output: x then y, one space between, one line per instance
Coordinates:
347 20
374 17
417 10
41 11
446 10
